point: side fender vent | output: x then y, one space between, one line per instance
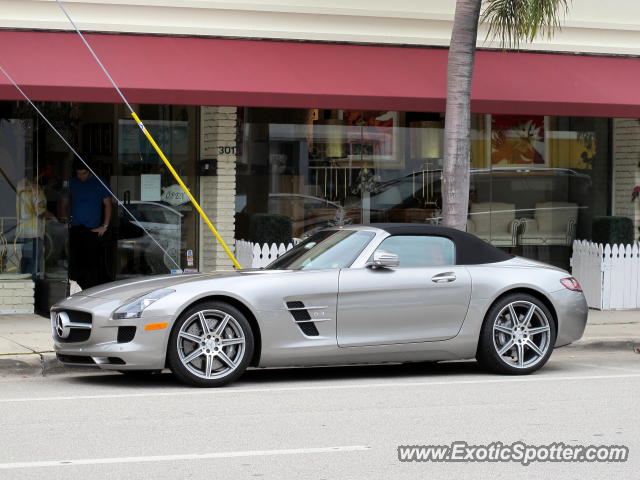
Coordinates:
302 318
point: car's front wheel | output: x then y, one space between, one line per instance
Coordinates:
211 344
517 336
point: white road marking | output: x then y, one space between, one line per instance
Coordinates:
221 391
607 367
186 456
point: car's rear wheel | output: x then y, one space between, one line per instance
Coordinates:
211 344
517 336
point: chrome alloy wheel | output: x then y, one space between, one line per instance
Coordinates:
521 334
211 344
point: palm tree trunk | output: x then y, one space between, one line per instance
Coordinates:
455 179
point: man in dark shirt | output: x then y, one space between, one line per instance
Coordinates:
90 217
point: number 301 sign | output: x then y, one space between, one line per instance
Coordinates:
226 150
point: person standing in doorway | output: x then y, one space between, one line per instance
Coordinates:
90 216
31 210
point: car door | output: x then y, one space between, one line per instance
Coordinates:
425 298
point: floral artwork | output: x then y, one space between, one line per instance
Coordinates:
517 140
372 134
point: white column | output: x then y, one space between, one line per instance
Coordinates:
217 192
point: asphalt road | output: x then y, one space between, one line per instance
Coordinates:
321 423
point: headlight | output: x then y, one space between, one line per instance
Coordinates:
134 309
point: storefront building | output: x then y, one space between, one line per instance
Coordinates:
278 139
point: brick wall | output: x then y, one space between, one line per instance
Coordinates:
217 192
626 171
16 295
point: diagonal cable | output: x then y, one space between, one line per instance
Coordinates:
84 40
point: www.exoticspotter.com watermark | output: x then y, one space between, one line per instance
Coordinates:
518 452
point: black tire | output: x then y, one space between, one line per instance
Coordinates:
492 341
191 372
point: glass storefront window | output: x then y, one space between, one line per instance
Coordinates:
22 199
321 168
536 182
36 191
33 228
542 182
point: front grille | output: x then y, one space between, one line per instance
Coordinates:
75 334
126 334
75 359
76 316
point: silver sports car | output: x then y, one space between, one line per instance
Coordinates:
357 294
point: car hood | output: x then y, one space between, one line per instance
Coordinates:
132 288
136 287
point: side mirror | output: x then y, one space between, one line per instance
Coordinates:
382 258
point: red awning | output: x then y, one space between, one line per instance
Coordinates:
208 71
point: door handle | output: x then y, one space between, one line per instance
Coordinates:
444 277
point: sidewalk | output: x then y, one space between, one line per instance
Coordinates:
26 347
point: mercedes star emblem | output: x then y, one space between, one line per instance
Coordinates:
62 325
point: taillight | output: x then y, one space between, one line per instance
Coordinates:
571 283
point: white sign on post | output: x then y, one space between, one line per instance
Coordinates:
150 187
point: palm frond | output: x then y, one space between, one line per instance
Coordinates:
513 21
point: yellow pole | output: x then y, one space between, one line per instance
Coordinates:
186 190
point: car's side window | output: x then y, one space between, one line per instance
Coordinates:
420 250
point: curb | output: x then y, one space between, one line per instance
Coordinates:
51 365
27 365
36 365
624 344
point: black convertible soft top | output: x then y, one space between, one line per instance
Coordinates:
470 250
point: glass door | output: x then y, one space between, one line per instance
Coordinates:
163 236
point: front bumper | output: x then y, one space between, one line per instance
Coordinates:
111 344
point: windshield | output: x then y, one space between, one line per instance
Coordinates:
324 250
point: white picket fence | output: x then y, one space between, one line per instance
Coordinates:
254 255
609 275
